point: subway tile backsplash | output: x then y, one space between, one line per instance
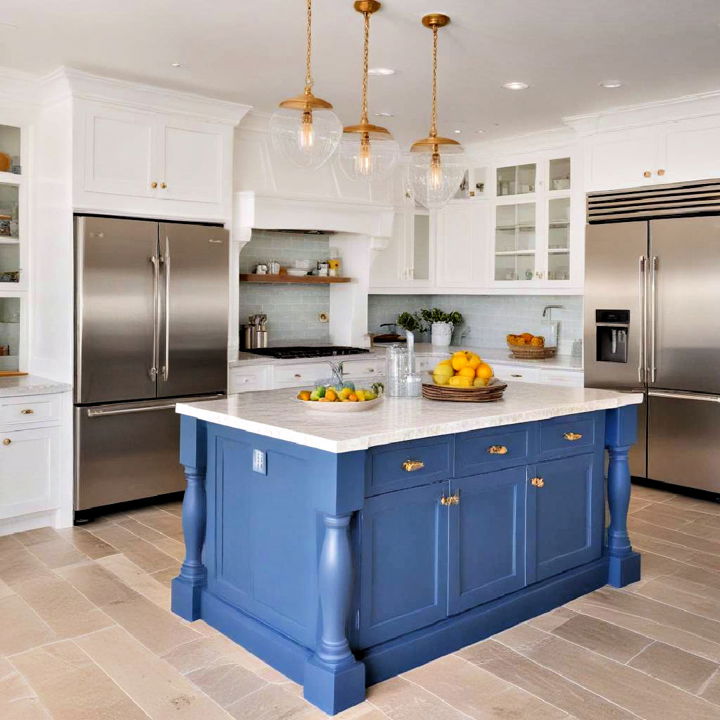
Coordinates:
488 318
292 310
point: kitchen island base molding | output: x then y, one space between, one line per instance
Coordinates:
344 569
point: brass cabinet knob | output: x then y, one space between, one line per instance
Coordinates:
647 173
27 411
661 172
537 482
163 186
571 436
497 450
7 441
413 465
297 375
451 500
153 185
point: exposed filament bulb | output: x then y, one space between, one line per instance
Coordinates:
306 132
363 161
435 173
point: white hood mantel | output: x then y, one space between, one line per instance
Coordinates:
254 211
271 194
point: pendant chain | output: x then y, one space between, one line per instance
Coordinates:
433 126
366 64
308 50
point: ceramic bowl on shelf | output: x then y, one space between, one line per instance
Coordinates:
296 272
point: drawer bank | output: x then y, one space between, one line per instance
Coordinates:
343 556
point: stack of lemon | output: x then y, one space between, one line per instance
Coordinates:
464 369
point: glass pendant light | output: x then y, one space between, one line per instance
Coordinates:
304 129
437 164
367 150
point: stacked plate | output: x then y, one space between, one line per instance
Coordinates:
492 391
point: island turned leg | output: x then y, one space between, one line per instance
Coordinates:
334 680
620 436
186 588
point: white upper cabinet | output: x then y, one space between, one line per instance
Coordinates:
146 163
623 159
688 150
461 244
191 162
119 152
670 152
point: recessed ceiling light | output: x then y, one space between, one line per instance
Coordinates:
479 132
611 84
384 114
176 65
381 71
457 132
515 85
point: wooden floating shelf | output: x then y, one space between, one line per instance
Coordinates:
301 279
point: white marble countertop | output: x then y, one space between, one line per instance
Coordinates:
498 355
277 414
30 385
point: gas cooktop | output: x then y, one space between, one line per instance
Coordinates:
301 351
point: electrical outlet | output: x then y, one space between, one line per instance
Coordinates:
259 462
323 317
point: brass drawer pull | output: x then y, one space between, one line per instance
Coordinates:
572 436
153 185
163 185
497 450
537 482
27 411
7 441
452 500
413 465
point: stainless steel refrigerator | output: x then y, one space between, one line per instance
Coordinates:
151 313
652 322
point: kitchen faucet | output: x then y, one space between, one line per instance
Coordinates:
554 326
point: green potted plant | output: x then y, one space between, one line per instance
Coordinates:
441 324
411 322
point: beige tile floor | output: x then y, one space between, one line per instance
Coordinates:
85 634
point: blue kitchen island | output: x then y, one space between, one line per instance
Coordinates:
343 549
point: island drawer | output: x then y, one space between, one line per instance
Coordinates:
568 434
408 464
495 448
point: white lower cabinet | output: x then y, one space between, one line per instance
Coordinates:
249 378
28 470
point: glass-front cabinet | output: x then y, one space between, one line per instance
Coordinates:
532 229
12 249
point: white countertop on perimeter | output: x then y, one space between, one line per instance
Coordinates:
30 385
277 414
497 355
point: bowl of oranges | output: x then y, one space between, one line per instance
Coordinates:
463 377
527 346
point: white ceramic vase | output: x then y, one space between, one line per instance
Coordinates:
441 333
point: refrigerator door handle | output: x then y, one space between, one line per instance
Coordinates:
153 371
653 317
165 369
642 284
684 396
108 410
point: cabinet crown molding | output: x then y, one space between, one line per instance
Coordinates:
78 84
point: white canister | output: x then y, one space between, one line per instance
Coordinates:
441 333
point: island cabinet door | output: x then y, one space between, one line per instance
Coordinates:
403 563
487 538
565 514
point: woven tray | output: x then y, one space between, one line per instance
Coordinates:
490 393
532 353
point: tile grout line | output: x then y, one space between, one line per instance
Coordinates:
619 664
564 677
639 652
511 683
675 607
705 685
402 676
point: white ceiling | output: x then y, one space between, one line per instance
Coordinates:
253 53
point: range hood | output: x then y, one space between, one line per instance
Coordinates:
273 195
253 211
